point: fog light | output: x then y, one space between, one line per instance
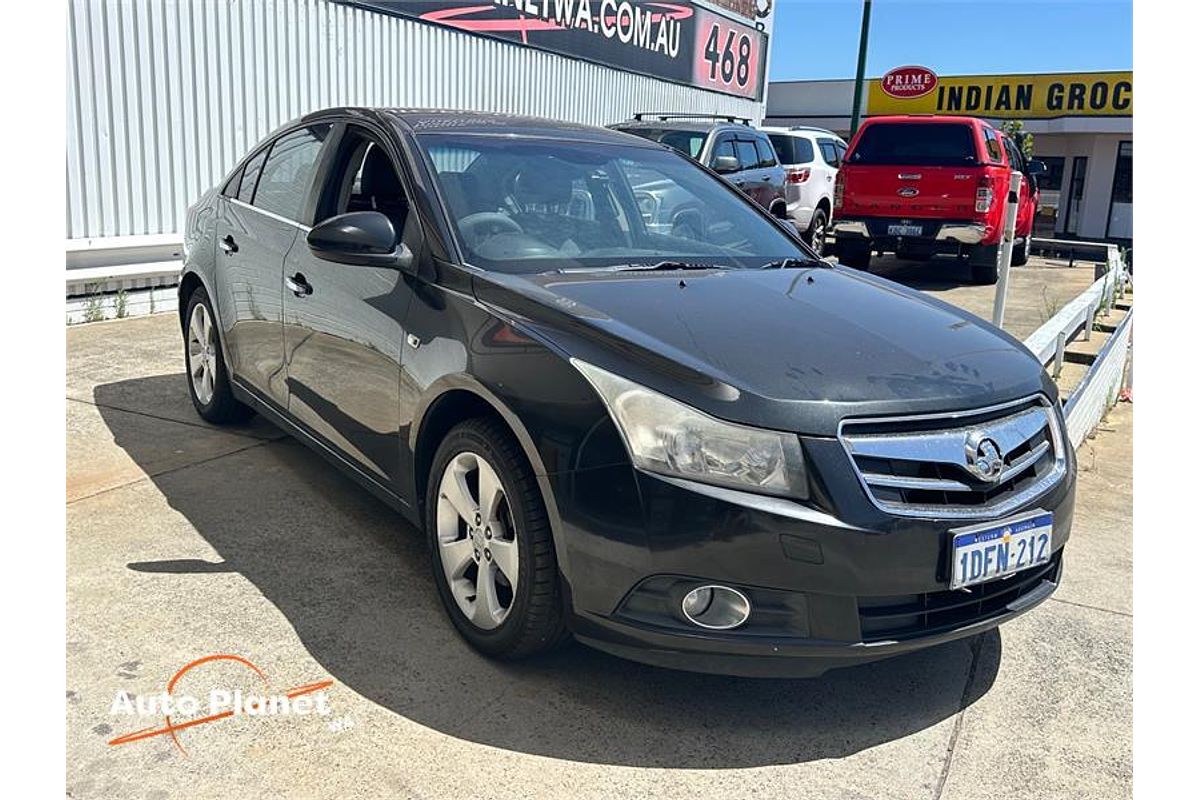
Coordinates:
715 607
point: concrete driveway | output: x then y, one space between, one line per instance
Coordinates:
184 540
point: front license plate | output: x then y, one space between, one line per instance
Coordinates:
996 549
905 230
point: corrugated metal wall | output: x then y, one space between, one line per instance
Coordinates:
163 96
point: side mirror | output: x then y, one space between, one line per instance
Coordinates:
1034 167
361 238
723 165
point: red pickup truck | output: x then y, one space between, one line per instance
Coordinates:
920 185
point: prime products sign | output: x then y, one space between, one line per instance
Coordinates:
916 90
719 45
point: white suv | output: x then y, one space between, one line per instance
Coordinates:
811 157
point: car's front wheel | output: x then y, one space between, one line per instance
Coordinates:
208 376
492 553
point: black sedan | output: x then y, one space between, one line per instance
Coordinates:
679 436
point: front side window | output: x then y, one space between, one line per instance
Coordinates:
529 206
287 176
932 144
723 147
747 156
363 178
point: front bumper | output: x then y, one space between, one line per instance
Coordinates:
826 591
937 233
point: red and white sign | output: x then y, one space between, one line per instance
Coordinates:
908 82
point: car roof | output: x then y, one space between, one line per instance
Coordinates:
698 126
801 130
922 119
431 120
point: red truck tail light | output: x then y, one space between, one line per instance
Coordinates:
839 189
798 175
983 195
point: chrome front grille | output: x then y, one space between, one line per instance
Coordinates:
982 463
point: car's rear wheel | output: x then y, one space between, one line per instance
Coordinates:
854 254
985 264
492 552
208 377
1021 254
817 229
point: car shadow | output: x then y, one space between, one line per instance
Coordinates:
938 274
354 581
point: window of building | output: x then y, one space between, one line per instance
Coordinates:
1120 209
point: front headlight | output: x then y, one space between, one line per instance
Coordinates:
668 437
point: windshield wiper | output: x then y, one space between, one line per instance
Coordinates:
664 266
795 263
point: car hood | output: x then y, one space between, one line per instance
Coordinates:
782 348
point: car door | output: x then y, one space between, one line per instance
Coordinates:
770 173
254 232
344 324
748 178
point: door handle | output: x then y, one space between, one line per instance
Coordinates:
229 245
299 286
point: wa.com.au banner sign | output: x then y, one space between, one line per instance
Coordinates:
719 44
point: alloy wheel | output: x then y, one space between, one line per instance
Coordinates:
818 237
202 354
477 540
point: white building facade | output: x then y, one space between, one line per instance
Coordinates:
163 96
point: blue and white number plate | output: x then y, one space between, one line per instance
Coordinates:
995 549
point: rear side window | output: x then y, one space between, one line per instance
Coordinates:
250 174
792 149
829 152
690 143
287 176
766 153
992 142
932 144
747 156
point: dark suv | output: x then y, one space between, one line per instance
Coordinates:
737 152
697 446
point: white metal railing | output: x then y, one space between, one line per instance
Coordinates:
1077 317
1101 385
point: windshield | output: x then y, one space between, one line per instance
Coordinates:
929 144
690 143
535 205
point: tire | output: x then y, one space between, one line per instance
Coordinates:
514 621
207 374
854 254
1021 255
985 264
817 228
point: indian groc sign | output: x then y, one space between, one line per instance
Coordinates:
905 83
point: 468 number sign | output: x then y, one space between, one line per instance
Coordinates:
730 60
726 55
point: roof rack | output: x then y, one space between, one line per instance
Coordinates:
663 116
